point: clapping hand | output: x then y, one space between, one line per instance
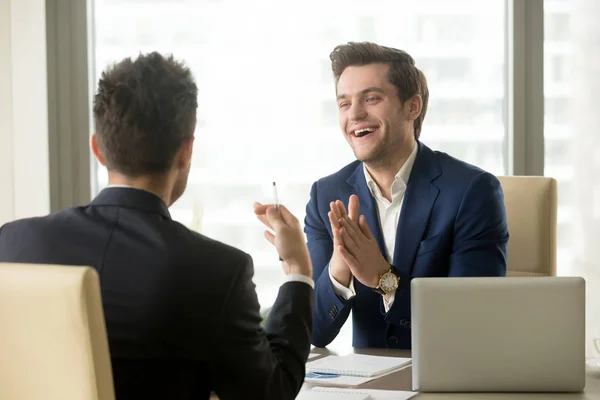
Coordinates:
338 267
359 249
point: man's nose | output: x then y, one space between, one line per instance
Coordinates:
357 111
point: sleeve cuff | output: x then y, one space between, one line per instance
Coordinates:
300 278
345 293
388 304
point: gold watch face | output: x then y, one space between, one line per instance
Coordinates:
388 282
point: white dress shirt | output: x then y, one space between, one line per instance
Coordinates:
288 278
389 214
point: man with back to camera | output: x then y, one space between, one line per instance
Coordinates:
181 310
408 212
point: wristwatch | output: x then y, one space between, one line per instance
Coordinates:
388 283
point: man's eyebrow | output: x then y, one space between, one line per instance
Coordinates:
364 91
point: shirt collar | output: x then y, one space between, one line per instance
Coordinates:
121 186
112 186
128 197
402 176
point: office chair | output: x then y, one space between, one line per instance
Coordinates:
531 209
52 334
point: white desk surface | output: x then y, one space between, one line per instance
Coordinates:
402 380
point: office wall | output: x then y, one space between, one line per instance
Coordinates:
24 167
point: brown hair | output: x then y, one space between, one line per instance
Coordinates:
144 110
403 74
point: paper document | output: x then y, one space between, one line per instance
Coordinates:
313 355
357 365
373 394
335 380
316 395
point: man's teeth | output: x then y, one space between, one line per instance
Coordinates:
361 132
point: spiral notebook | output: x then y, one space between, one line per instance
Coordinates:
357 365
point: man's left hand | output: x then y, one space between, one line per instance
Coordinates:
361 252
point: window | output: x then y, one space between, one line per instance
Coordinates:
572 143
266 112
445 28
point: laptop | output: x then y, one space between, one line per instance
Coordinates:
497 334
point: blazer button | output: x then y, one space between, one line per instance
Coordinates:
393 340
402 322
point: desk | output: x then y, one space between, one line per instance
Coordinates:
402 380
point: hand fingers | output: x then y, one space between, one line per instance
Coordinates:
270 237
348 258
353 207
337 236
334 220
349 243
353 230
341 207
287 216
260 208
335 210
273 218
364 227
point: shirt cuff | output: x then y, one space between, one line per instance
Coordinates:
300 278
388 304
345 293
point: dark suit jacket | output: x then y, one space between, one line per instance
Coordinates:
452 223
181 310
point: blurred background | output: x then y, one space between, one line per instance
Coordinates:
267 108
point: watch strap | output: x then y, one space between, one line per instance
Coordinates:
379 290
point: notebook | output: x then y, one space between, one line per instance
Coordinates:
374 394
335 380
319 395
357 365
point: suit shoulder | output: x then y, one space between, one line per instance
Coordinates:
205 246
459 170
448 162
40 222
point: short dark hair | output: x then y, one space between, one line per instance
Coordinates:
407 78
144 109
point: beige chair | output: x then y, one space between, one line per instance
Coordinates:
531 207
53 342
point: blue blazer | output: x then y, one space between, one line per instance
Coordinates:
452 223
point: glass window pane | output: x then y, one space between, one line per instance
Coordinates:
267 108
572 142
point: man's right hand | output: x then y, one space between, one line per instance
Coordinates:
338 268
288 238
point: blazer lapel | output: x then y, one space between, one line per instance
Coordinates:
368 208
419 198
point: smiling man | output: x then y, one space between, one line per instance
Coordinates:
400 211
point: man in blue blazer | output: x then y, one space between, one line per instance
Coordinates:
400 211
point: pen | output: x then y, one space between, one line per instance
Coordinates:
276 202
276 198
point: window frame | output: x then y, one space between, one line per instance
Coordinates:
73 174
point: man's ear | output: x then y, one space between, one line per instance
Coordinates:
96 150
415 106
184 156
